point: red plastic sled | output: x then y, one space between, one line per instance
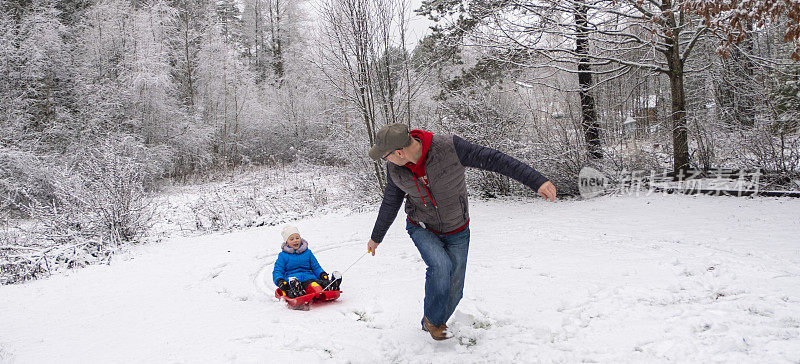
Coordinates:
313 294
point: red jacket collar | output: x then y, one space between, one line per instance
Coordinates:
425 137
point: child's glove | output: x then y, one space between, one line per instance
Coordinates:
323 276
282 284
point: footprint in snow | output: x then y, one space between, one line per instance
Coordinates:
359 315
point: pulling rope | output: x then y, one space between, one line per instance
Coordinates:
345 271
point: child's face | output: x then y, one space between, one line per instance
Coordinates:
294 241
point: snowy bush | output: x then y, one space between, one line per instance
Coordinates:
19 263
346 148
103 192
775 151
20 171
81 210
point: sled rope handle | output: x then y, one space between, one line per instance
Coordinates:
348 268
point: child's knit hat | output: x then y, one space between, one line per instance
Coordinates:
287 231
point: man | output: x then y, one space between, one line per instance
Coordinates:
427 171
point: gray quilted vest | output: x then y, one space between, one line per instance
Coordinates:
446 186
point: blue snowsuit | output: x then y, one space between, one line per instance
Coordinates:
300 263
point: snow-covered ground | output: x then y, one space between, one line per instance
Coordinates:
612 279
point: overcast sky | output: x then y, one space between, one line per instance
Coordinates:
417 26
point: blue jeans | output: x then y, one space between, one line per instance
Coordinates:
446 258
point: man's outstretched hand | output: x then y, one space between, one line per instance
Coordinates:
371 246
546 190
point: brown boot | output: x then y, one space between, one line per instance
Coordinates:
438 332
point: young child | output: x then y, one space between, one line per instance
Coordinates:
296 267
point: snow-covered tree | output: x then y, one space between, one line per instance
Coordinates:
39 73
365 65
735 20
657 36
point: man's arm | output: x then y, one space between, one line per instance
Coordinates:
477 156
392 200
